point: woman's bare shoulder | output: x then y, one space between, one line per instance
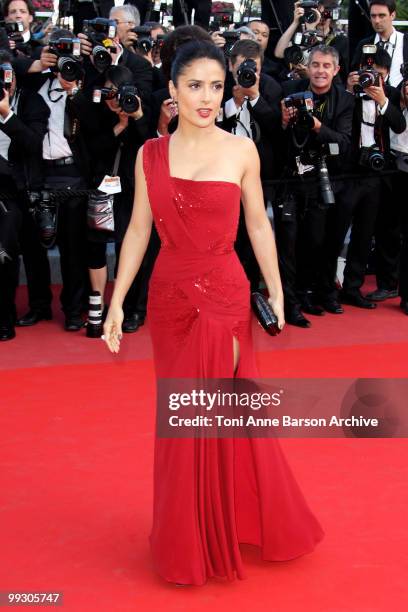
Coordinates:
240 145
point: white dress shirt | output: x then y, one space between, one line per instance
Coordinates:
55 145
395 48
243 127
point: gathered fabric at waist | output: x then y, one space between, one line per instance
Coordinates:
182 263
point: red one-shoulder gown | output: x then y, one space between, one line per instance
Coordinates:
210 495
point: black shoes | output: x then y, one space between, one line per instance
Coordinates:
331 305
379 295
7 332
404 306
132 322
308 306
356 299
74 323
34 316
293 316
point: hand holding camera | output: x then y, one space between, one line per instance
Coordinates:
306 11
48 59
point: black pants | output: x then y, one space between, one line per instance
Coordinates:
388 238
303 238
10 225
201 15
36 264
71 239
359 207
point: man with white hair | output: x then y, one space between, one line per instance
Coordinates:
126 18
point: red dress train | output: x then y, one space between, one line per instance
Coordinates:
210 494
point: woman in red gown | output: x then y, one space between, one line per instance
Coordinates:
210 495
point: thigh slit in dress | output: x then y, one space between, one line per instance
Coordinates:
210 495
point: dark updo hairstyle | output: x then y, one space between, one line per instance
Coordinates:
174 40
119 75
192 51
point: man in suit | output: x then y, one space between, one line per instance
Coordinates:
253 111
23 124
303 218
377 112
387 232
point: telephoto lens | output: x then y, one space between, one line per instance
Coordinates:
94 326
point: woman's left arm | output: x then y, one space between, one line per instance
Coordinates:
259 228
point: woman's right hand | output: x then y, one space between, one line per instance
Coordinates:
112 328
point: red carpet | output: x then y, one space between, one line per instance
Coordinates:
76 471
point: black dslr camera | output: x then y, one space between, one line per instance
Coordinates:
14 30
246 73
298 53
231 38
126 94
309 15
373 158
303 103
68 51
367 76
101 33
6 78
144 42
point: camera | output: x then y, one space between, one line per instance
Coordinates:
45 214
231 38
246 73
14 30
308 39
221 20
309 15
6 78
68 51
303 103
144 42
126 95
100 32
367 76
372 157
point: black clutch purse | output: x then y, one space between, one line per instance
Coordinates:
264 313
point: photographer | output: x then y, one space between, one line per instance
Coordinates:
317 121
66 166
399 145
104 33
23 124
377 111
123 129
21 42
253 110
313 23
387 242
182 12
262 33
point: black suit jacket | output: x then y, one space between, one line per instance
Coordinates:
266 113
27 129
336 125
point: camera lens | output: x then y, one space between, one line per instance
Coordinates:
102 58
366 79
70 69
377 161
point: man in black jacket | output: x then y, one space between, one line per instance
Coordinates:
303 217
387 243
376 112
23 124
253 111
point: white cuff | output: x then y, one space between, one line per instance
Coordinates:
5 119
230 108
382 109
